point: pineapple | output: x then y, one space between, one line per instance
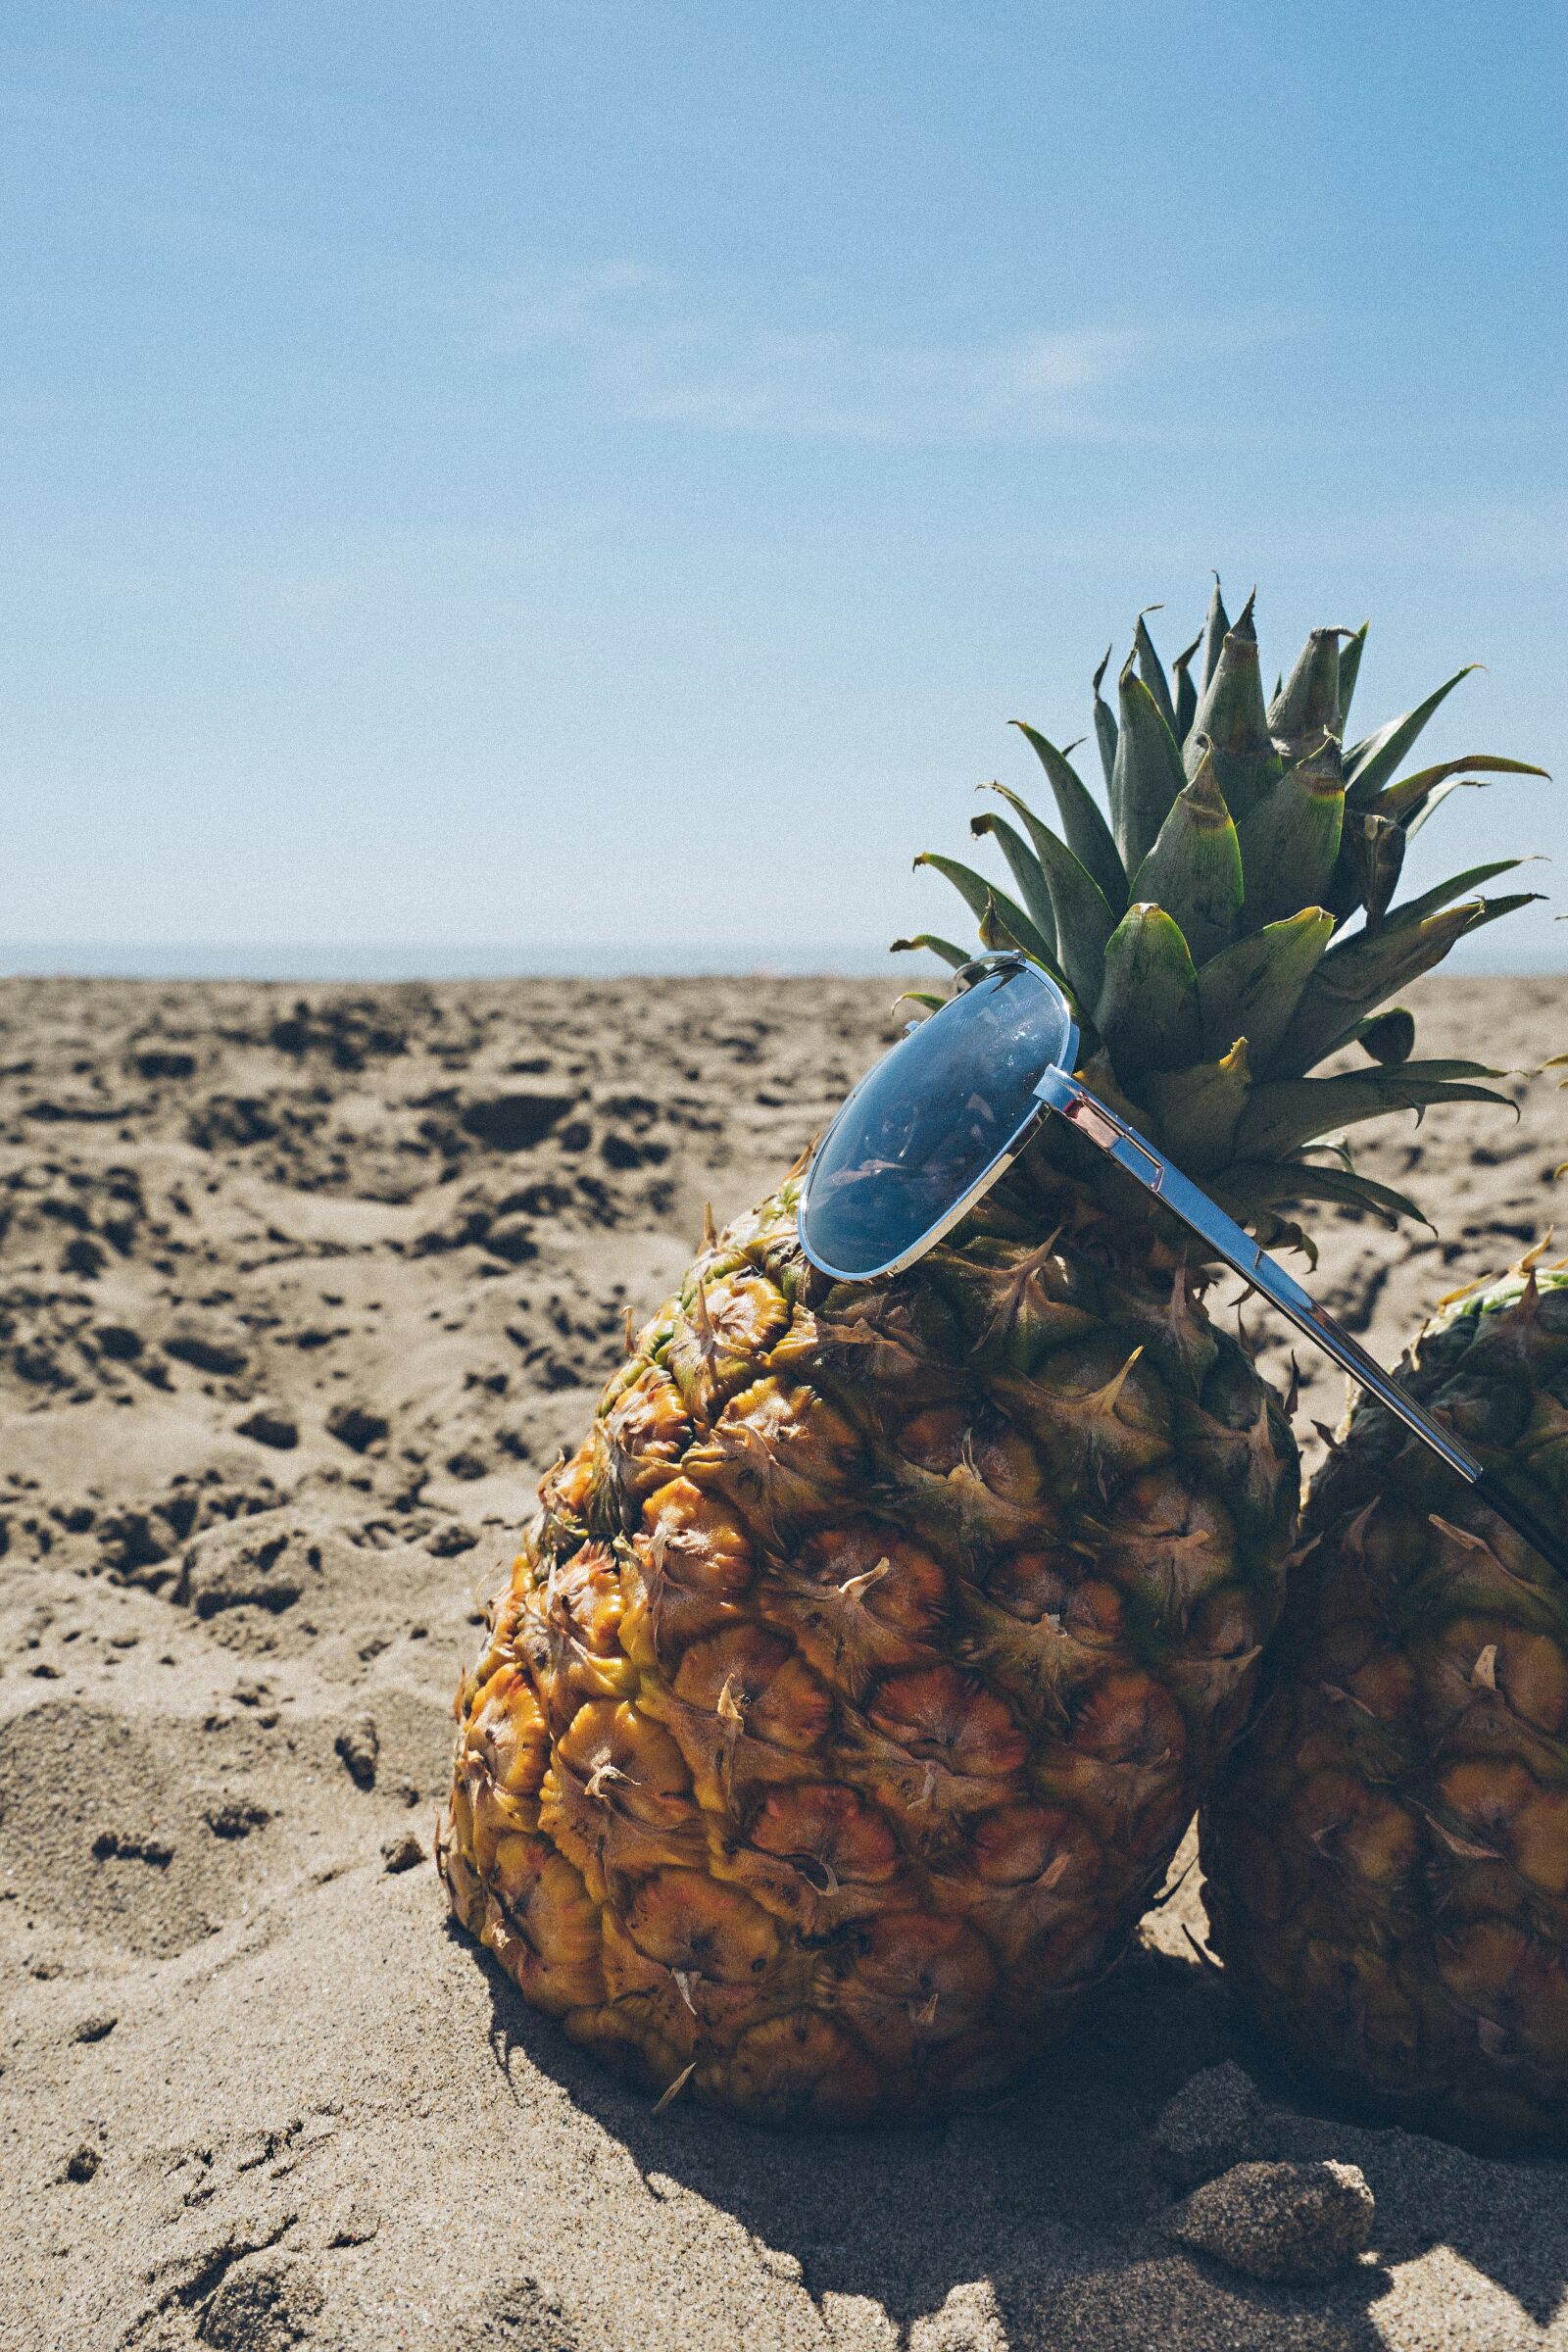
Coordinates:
1388 1851
862 1668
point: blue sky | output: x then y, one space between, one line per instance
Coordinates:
590 483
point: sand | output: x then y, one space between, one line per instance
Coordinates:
298 1296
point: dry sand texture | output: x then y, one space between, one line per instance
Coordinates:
297 1302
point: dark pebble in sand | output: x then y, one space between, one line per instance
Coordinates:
359 1747
118 1342
270 1427
446 1542
512 1238
205 1350
404 1852
123 1845
355 1426
513 1121
236 1817
83 2163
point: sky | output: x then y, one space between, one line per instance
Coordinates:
585 486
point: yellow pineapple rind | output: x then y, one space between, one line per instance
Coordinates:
856 1682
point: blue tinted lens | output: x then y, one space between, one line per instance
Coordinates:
922 1128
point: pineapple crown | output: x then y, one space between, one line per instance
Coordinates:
1201 933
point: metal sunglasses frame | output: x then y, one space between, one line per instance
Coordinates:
1058 1090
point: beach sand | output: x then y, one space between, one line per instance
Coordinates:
300 1291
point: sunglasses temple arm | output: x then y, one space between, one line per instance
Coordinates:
1186 1200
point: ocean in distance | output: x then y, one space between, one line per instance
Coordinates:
380 962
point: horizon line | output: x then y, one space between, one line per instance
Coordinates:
317 962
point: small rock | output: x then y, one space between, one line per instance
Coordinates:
96 2027
446 1541
119 1341
359 1747
513 1121
1296 2222
356 1427
164 1061
403 1852
236 1817
83 2161
266 2303
512 1238
132 1845
207 1348
1212 2124
268 1426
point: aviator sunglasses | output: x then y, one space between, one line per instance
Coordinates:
945 1112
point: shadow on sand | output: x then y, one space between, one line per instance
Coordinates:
1037 2221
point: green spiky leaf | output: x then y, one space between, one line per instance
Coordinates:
1233 723
1151 670
1442 894
1186 691
1200 1108
1088 834
1025 869
1360 975
1148 774
1405 800
1195 869
1148 1009
1251 1185
1216 628
1387 1037
1371 860
1252 990
1308 707
978 894
1373 762
1350 653
1284 1114
954 958
1082 920
1290 840
1105 726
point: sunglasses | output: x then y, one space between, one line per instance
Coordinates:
943 1115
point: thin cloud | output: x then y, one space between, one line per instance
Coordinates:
654 354
839 387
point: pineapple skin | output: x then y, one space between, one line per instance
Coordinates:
857 1681
1387 1852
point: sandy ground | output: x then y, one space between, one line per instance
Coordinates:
296 1301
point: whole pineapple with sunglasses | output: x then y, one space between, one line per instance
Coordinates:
862 1668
